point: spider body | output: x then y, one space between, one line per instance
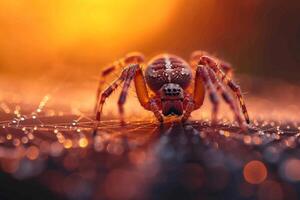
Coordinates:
165 69
175 90
168 76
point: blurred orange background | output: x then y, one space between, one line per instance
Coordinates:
69 36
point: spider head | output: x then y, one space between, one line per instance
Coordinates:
172 98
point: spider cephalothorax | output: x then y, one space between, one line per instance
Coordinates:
170 78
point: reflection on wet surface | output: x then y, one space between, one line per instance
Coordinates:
145 161
50 151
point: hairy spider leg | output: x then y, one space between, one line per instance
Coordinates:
106 93
189 108
123 94
225 66
135 72
227 96
130 58
196 101
131 72
202 77
210 87
143 94
229 82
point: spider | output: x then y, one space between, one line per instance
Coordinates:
170 78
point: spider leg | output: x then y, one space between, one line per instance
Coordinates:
106 93
228 81
189 108
202 73
143 95
237 90
155 109
123 95
135 72
131 72
196 101
196 56
130 58
227 97
226 67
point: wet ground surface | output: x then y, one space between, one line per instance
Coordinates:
47 150
60 159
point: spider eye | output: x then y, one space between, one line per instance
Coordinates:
169 90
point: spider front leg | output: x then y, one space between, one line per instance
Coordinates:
228 81
202 79
130 58
135 72
107 92
189 108
132 72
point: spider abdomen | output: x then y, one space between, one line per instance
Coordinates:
167 69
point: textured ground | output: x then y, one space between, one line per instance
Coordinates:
146 161
48 152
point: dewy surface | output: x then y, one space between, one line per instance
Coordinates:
46 139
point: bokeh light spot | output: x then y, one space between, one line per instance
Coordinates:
68 143
290 170
83 142
32 153
255 172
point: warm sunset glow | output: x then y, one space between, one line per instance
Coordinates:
102 99
76 31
